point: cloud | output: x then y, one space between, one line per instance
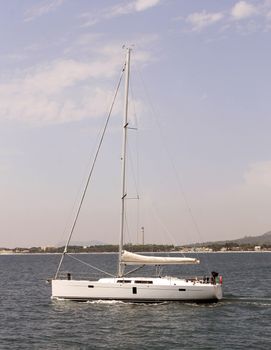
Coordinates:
60 91
118 10
200 20
65 90
41 9
243 10
254 17
134 6
142 5
259 174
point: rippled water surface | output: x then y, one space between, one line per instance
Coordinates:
31 320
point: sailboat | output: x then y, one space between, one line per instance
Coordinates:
145 289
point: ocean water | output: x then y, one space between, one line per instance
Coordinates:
31 320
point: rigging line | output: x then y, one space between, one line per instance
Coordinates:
127 227
93 267
135 173
128 235
131 150
132 169
164 227
135 181
136 177
179 182
91 171
132 101
134 270
86 171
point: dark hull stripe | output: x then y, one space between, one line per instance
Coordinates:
146 301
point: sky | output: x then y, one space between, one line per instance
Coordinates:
200 101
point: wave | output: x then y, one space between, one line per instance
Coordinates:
265 301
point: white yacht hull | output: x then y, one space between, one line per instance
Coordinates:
136 290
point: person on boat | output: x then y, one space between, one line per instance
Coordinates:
213 278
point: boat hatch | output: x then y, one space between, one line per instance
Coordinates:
143 282
124 281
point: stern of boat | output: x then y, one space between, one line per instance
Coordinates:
218 291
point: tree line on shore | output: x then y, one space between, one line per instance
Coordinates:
112 248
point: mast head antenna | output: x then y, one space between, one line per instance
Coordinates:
128 47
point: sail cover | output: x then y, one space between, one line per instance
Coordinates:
136 259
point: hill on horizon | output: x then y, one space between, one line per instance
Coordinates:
253 240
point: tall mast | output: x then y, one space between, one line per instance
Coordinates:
123 158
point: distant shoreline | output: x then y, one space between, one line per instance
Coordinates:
147 252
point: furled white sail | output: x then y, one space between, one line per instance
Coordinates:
136 259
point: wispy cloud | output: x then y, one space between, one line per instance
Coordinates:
120 9
57 92
133 6
200 20
41 9
64 90
249 17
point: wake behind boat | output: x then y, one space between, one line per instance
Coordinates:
135 289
